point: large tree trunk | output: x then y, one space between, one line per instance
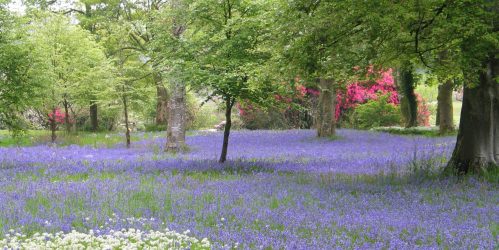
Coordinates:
445 110
437 117
93 116
175 133
229 103
326 122
162 101
477 146
408 101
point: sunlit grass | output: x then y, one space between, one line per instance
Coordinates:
99 139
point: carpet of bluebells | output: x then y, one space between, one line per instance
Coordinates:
279 190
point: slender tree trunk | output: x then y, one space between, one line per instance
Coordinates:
446 112
127 126
477 145
229 103
408 102
175 133
93 116
53 125
66 116
94 122
162 101
326 122
73 125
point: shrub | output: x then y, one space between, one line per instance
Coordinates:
356 93
256 118
376 112
154 127
424 111
293 109
204 116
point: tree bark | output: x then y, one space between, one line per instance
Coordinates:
88 25
127 126
229 103
175 133
445 109
477 145
408 102
162 101
326 122
93 116
437 117
66 116
53 125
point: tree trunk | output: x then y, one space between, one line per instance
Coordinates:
127 127
446 112
326 122
477 146
175 133
162 101
408 102
53 125
66 116
229 103
437 117
93 116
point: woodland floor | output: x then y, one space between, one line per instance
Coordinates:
279 190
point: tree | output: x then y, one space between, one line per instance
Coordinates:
15 92
218 53
137 15
408 102
326 122
322 41
130 87
445 108
467 32
68 63
171 54
230 40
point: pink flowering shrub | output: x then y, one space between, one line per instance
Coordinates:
381 83
295 107
57 115
423 111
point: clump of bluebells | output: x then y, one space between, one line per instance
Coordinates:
281 190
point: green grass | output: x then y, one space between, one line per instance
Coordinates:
26 139
35 137
420 131
34 204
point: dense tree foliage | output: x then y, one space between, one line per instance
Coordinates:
109 54
15 91
70 67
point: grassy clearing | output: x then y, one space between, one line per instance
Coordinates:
417 131
99 139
